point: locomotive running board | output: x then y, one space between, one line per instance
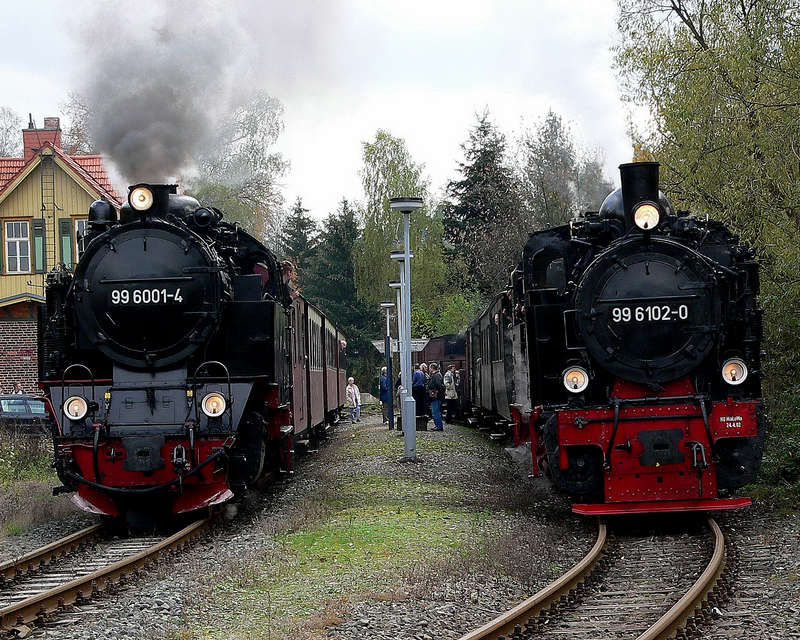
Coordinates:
660 506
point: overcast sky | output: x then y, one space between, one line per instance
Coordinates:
345 68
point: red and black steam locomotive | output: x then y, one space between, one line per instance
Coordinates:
179 367
627 351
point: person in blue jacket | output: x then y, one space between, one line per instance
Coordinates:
418 389
385 384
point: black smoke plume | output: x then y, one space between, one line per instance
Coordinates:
160 78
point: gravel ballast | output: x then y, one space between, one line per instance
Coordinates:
362 545
408 571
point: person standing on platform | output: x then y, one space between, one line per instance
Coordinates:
418 390
450 393
424 368
436 394
353 396
385 391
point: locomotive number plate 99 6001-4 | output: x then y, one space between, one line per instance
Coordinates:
146 296
650 313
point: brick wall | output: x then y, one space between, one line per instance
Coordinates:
18 355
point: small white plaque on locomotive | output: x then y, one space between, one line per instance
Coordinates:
650 313
146 296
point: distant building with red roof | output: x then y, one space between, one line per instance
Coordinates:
44 201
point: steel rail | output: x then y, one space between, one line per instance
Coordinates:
15 567
77 590
519 615
693 599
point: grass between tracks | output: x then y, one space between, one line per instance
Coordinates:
26 482
361 536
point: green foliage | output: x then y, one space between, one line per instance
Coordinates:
25 458
389 171
422 321
465 247
330 284
722 82
298 238
457 310
493 207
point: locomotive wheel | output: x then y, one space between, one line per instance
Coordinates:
251 448
584 476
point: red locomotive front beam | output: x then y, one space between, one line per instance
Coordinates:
665 506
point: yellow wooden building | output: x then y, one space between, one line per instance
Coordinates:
44 200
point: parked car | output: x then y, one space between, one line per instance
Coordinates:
25 413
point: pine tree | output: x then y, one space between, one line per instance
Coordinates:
481 205
298 238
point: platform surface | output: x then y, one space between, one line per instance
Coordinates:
660 506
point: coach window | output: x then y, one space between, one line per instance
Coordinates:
328 355
302 345
494 332
313 344
18 247
316 338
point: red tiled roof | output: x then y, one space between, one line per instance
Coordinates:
94 166
89 168
9 167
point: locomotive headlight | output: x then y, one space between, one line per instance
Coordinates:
646 216
75 408
141 198
213 404
734 371
576 379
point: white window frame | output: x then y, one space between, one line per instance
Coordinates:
19 241
75 223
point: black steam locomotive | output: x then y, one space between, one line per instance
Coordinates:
166 355
627 350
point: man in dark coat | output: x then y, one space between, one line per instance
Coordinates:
436 395
385 384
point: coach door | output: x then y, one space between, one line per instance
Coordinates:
298 368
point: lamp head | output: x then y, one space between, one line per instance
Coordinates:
405 205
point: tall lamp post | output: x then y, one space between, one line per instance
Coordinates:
408 410
388 306
407 206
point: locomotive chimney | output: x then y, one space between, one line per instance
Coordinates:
639 183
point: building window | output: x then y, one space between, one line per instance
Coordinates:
65 232
80 231
18 247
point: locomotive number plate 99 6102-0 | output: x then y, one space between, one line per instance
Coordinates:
650 313
146 296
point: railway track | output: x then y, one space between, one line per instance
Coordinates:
632 587
69 571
